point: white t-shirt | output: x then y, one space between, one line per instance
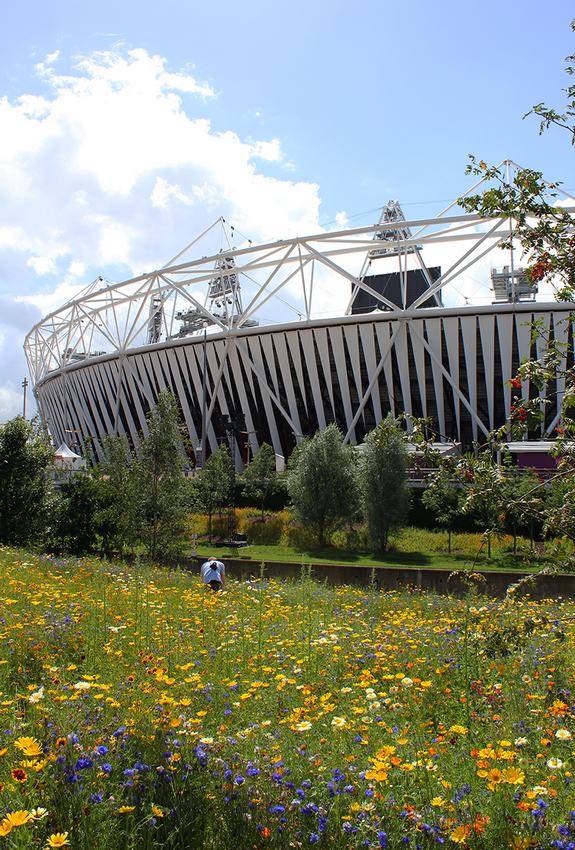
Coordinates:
212 571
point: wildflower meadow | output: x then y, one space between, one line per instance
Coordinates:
138 709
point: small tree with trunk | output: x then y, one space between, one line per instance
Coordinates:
260 478
444 498
383 481
214 483
160 479
322 482
117 512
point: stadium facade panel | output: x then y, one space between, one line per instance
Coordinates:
451 365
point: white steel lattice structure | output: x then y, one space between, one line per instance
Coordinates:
195 327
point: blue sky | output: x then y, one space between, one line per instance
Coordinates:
148 120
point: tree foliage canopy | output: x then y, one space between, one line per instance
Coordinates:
383 480
160 479
25 486
322 482
260 478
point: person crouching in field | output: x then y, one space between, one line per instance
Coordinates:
213 573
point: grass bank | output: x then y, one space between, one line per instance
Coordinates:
410 547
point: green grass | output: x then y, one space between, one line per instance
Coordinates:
411 547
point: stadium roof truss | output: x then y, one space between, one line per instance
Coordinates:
112 318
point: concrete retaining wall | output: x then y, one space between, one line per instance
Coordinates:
395 578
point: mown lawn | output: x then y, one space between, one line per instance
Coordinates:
140 710
411 547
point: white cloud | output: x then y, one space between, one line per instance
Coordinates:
10 403
270 151
42 265
163 191
111 168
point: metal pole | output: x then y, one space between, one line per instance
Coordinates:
204 376
24 387
511 258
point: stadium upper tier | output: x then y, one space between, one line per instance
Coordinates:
270 342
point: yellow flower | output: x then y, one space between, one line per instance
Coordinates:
513 776
5 827
459 730
460 834
438 801
58 839
123 810
29 746
17 818
494 777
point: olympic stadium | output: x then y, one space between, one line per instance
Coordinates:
271 342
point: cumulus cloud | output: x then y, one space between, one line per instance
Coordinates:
112 165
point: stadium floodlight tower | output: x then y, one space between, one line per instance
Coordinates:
223 301
391 212
394 242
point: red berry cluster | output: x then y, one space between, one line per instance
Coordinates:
540 268
519 412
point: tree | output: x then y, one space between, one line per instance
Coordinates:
545 232
564 119
160 479
260 478
215 483
322 482
383 480
444 498
74 528
524 502
26 458
117 512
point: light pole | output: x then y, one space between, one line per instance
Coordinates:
204 397
24 387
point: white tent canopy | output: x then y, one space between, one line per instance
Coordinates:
65 458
